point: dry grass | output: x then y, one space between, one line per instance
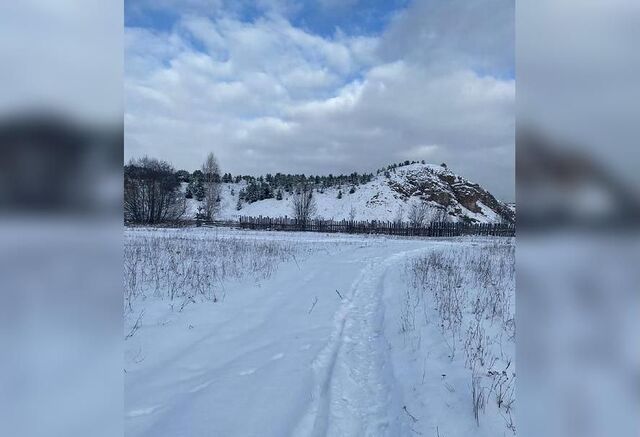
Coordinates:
472 290
183 269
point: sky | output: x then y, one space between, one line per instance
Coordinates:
323 86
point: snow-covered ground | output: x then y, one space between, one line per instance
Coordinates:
313 334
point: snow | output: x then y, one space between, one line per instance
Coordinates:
376 200
311 349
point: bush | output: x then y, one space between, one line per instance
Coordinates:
151 192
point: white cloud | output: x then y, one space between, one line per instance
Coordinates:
267 96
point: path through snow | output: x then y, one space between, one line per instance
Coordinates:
268 361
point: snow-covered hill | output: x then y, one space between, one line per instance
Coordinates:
389 196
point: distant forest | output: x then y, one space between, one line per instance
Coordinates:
273 186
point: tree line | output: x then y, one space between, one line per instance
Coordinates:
153 190
272 186
153 194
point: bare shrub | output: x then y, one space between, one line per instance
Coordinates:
476 345
439 215
352 213
151 192
303 205
417 214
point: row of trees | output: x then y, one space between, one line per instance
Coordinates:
285 181
152 190
270 186
392 167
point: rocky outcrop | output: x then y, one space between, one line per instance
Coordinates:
454 194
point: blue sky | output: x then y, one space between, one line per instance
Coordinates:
318 17
323 86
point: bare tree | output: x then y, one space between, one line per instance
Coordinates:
399 218
211 182
417 214
439 215
151 192
352 213
303 205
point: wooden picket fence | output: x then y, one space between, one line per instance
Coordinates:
433 229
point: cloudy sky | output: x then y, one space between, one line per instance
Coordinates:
323 86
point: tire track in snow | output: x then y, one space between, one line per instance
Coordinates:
354 391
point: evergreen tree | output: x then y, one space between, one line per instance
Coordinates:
339 194
250 193
183 176
266 191
195 188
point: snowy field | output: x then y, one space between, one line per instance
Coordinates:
243 333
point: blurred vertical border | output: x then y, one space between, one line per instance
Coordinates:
61 223
578 292
61 151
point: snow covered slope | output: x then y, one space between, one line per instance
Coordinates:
387 197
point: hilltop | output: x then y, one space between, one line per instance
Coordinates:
387 196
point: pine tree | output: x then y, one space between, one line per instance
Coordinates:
339 194
195 188
266 192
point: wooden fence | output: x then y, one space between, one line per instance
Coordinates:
434 229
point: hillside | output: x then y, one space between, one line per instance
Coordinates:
388 196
